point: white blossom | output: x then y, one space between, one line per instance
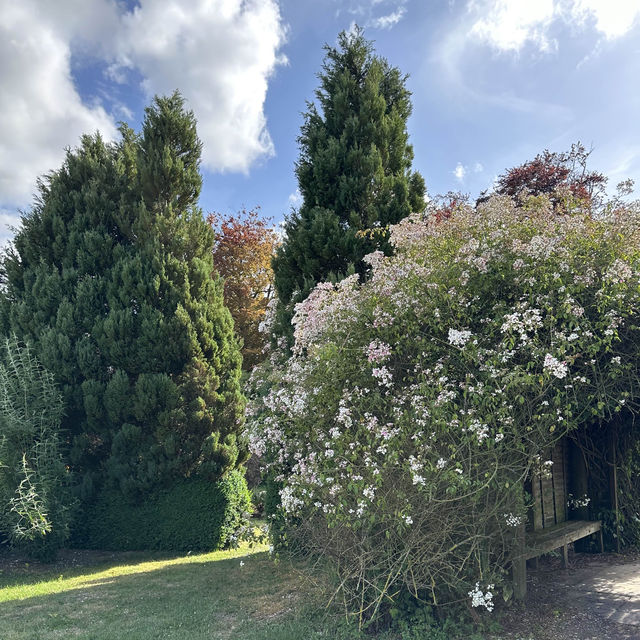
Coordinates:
480 599
555 367
290 502
577 503
459 338
384 376
512 520
378 351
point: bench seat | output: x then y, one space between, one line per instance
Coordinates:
559 535
536 543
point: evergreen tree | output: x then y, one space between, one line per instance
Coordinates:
354 172
110 279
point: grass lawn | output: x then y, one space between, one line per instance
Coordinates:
147 597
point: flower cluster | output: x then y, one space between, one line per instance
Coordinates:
512 520
555 367
480 598
578 502
378 351
459 338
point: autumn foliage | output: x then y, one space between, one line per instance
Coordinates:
555 174
242 255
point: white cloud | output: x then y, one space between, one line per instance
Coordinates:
8 221
295 199
449 55
374 14
219 53
509 26
618 164
42 112
460 171
613 18
388 21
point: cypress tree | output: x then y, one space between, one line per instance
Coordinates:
110 279
354 172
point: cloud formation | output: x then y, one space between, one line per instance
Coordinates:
389 20
509 26
375 14
295 199
219 53
42 112
8 221
460 172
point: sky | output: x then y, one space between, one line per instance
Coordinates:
494 83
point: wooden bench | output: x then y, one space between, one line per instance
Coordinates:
536 543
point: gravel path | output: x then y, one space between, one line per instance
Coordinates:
597 598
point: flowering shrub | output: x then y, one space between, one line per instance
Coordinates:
417 403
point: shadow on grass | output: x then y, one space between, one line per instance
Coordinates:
207 596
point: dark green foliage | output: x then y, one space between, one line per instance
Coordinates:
34 494
354 172
110 280
614 498
272 508
192 515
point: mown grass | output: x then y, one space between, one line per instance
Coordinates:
144 597
147 596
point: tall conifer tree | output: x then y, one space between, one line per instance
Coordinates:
354 172
110 279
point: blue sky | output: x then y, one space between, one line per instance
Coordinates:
494 82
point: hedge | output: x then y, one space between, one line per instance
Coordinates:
191 515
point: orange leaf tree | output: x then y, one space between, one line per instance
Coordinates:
242 255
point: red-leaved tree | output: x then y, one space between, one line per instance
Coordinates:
557 175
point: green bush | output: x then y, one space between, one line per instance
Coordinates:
34 498
192 515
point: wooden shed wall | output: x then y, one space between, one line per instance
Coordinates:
549 491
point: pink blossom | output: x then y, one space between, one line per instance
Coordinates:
378 351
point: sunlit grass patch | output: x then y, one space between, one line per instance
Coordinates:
230 594
109 576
